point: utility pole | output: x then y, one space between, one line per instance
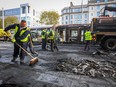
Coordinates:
3 18
82 11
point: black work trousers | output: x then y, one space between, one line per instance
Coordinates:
19 51
51 44
87 45
30 47
44 44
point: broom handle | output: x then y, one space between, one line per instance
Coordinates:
31 41
21 47
24 50
32 44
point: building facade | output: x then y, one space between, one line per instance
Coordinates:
83 14
95 8
74 15
24 12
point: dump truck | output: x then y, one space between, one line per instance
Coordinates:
104 30
4 35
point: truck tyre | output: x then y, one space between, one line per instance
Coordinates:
110 44
102 45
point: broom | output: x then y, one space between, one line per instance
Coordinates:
33 60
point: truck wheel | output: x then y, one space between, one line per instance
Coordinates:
110 44
102 45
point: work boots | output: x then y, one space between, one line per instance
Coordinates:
22 62
33 52
13 60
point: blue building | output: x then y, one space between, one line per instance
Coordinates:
24 12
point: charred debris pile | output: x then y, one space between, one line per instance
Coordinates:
87 67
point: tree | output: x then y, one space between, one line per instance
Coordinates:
0 23
10 20
49 17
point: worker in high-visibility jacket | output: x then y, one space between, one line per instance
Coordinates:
52 38
21 36
88 38
30 43
44 38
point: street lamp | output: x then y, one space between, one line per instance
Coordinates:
3 18
82 11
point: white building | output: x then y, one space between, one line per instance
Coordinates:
83 14
95 8
24 12
74 14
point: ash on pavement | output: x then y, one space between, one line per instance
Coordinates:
70 67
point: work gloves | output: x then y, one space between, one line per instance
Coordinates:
13 40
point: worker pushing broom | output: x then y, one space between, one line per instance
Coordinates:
20 40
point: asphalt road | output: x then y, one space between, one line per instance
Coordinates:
45 73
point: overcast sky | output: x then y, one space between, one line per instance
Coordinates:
40 5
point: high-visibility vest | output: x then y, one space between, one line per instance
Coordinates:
51 34
26 39
88 35
43 34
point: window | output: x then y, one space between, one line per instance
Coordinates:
16 12
62 18
33 12
105 0
71 22
91 8
71 16
91 14
86 16
79 16
75 16
71 10
67 10
23 10
114 13
85 21
85 9
8 13
75 22
74 33
28 23
28 18
113 5
98 7
66 17
106 12
98 14
98 1
77 10
23 18
66 22
79 22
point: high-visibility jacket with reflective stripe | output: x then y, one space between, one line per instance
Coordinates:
52 36
26 39
20 35
43 34
88 35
